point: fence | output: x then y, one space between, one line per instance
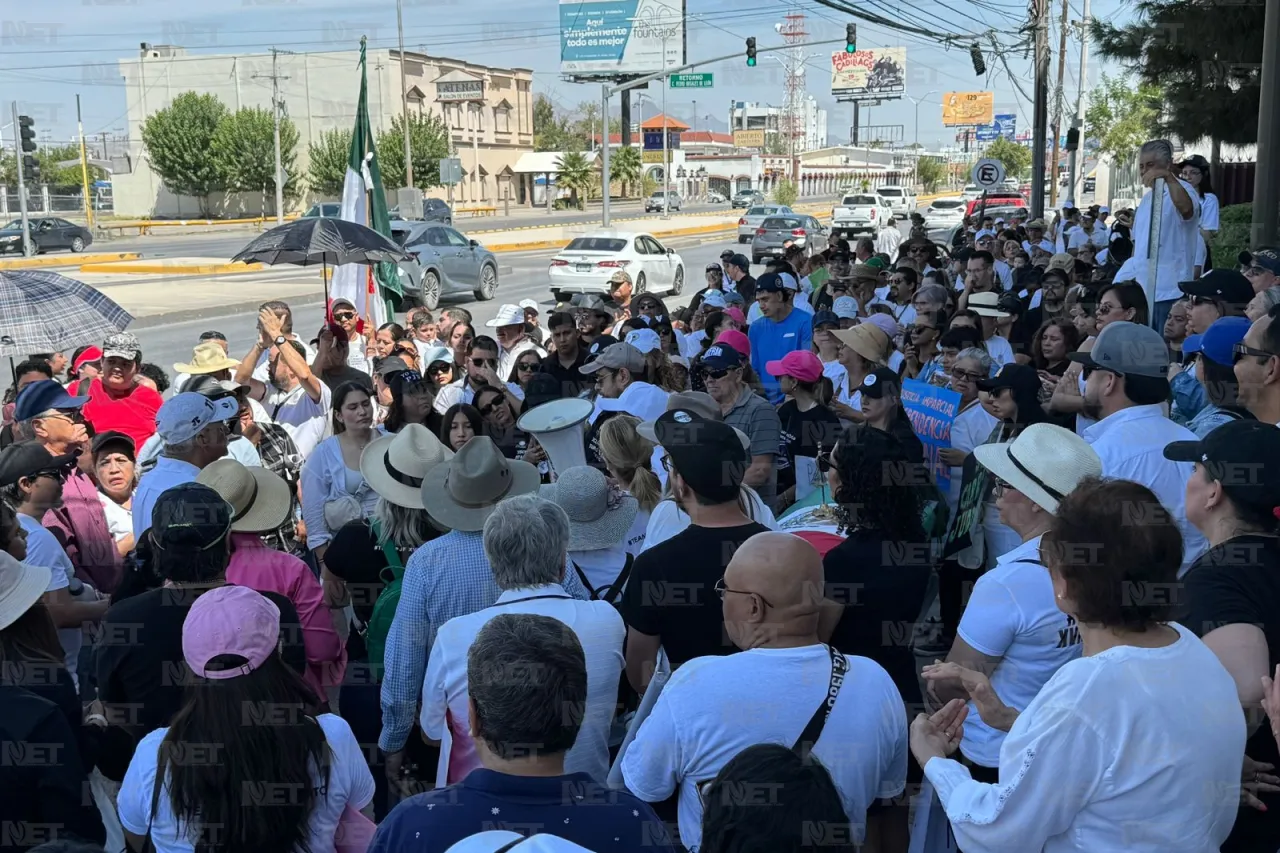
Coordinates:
47 202
1233 183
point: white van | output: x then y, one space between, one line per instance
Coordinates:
902 200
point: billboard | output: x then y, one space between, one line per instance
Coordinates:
880 72
748 139
609 37
1005 125
968 108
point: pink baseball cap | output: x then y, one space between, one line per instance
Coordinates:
735 339
230 620
736 313
801 365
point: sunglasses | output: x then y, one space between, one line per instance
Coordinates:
344 316
484 362
440 367
715 374
527 366
59 474
1242 350
1089 370
1203 300
74 416
965 375
489 407
1255 271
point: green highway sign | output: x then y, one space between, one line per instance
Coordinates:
691 81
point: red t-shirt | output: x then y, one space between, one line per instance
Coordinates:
132 413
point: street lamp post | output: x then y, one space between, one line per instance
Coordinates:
916 161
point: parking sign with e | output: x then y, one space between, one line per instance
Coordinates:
988 173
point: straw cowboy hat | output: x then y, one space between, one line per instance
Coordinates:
1044 462
207 358
260 500
20 587
461 494
395 465
598 517
867 340
987 305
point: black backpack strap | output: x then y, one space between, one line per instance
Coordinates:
813 729
582 576
615 588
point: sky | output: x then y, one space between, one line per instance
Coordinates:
51 52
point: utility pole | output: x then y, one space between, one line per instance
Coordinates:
276 107
1040 118
84 166
1057 107
1077 156
1266 182
404 97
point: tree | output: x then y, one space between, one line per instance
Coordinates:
1120 118
429 142
574 173
1016 158
243 149
54 173
775 144
327 171
930 172
785 192
1205 58
178 141
625 165
550 127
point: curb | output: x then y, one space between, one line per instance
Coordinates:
163 268
68 260
185 316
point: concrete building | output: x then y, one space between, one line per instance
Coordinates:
489 112
746 115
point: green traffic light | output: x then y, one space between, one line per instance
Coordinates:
751 61
850 48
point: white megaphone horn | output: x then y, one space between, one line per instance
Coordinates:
560 427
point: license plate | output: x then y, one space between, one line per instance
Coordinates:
584 267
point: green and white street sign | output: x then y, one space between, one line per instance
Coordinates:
691 81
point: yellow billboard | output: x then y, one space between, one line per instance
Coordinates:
652 156
964 108
748 139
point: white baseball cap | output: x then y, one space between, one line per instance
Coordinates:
845 307
183 416
508 315
645 340
434 354
789 281
714 298
529 304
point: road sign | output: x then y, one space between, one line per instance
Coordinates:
691 81
988 173
450 171
653 140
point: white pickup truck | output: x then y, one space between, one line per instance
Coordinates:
861 213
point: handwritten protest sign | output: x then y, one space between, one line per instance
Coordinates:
932 411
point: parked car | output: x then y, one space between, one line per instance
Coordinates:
324 210
902 200
443 262
436 210
971 191
944 213
586 264
654 202
777 233
715 198
753 216
861 213
994 198
46 234
947 235
747 198
1090 184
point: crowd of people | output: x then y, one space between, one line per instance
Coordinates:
335 594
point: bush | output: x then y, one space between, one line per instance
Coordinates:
785 192
1235 224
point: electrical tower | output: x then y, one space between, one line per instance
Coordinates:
793 124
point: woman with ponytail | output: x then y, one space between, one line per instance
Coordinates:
629 458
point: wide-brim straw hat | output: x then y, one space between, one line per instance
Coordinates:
598 518
462 493
207 358
1045 462
20 587
395 465
987 305
260 499
867 340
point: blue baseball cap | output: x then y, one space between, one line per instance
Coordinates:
721 357
1219 341
826 318
1192 344
39 397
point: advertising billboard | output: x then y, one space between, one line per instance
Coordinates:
609 37
968 108
1005 125
748 139
876 73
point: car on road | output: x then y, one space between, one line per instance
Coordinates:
947 235
902 200
778 233
971 191
654 202
436 210
443 262
324 210
587 263
46 233
944 213
747 198
753 216
995 198
715 198
1090 184
861 213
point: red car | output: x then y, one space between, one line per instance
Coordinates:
999 198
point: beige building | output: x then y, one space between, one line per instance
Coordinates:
489 112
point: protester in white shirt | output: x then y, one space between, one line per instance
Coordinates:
987 306
619 372
715 707
526 540
481 368
294 396
508 328
1125 392
973 423
115 471
1012 630
1146 719
263 357
1195 171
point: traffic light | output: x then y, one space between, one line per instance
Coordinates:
850 38
1073 138
30 168
751 52
27 132
979 64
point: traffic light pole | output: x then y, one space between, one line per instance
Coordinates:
22 184
607 91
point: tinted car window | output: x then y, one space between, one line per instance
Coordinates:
888 193
947 204
596 244
781 223
859 199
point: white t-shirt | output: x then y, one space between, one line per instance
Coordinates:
262 370
715 707
999 350
119 519
971 427
307 420
601 566
1208 222
668 520
350 783
838 374
43 550
1130 749
461 392
895 361
1179 242
633 542
1013 615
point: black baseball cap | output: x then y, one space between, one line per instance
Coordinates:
1230 286
1244 456
1268 259
825 318
1021 378
879 381
770 282
113 440
739 260
707 454
599 345
189 518
391 365
28 458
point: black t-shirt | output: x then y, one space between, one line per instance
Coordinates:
802 434
671 593
1232 583
346 373
882 584
572 382
747 287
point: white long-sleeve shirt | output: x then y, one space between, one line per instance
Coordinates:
326 477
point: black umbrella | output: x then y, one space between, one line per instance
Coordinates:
320 240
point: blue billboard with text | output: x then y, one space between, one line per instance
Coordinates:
611 37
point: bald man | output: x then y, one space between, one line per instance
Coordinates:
775 691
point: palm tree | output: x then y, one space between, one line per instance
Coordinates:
574 172
626 166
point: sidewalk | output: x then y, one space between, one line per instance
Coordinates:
159 300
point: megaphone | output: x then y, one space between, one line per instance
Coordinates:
560 427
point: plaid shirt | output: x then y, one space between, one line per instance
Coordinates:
280 456
445 578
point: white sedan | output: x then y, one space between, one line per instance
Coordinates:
944 213
588 262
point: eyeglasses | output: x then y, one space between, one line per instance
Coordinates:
666 463
965 375
527 366
1255 271
488 408
999 487
484 362
344 316
721 590
1241 350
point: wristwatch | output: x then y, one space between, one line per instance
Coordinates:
279 341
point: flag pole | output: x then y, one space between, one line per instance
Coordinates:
370 289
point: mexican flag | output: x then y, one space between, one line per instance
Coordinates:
367 287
